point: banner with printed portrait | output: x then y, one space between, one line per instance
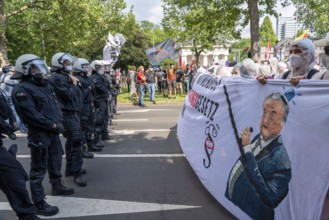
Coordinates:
261 151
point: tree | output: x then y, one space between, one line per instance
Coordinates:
133 51
15 8
200 23
266 32
154 32
201 19
314 15
80 29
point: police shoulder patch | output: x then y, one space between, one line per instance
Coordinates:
21 96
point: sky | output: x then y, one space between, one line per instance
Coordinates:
151 10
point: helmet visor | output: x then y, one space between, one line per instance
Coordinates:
66 58
36 66
85 67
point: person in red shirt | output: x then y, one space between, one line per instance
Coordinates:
141 79
171 79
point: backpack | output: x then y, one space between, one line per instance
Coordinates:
135 78
309 75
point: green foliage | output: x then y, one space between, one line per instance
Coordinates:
201 23
314 15
266 32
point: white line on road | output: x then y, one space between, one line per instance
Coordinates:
22 156
70 207
142 110
130 120
120 132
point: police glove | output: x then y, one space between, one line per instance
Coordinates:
58 128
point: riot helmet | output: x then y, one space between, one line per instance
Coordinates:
81 65
63 61
97 66
30 65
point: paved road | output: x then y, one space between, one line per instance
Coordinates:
141 174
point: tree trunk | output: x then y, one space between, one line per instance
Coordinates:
254 29
3 41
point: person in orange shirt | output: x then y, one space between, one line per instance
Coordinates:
141 79
171 79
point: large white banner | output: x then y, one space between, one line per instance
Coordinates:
261 151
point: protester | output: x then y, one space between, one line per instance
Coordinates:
180 80
141 86
282 67
222 71
171 79
248 69
132 86
150 80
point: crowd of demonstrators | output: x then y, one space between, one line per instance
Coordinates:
158 80
73 97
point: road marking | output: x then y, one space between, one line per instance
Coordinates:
120 132
78 207
130 120
137 155
143 110
133 131
22 156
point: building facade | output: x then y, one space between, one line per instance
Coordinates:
287 27
219 54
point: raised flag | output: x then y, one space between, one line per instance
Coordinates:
244 52
267 50
160 52
303 35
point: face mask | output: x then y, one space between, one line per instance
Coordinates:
296 60
100 72
68 69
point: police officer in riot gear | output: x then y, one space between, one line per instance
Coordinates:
101 99
69 94
81 69
12 174
36 104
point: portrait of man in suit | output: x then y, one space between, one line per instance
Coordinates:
259 180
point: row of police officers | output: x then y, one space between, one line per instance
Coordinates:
73 97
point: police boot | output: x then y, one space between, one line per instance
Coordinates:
43 208
80 180
86 154
93 148
59 189
106 136
97 141
69 173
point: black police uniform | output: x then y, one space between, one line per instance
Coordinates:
36 104
70 98
87 116
12 175
100 105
